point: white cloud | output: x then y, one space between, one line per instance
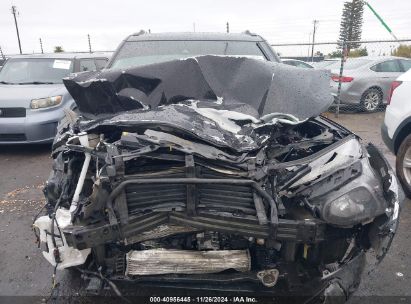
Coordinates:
67 23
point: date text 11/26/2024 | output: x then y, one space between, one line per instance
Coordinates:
235 299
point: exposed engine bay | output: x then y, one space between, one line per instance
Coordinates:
207 190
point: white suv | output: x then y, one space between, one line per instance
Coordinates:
396 129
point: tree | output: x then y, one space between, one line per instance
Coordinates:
353 53
351 23
335 54
402 51
58 49
358 52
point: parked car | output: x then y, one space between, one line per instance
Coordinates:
297 63
396 129
366 80
143 49
32 94
325 63
214 172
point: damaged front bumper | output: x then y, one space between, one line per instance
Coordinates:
339 282
196 194
291 239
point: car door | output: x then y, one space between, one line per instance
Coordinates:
386 72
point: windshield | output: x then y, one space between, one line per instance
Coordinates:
35 70
350 64
136 53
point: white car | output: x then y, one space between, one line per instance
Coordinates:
297 63
396 129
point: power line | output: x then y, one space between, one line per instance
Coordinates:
339 42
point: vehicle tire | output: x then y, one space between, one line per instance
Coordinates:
403 165
371 100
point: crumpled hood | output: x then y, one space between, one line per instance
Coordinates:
203 120
21 95
254 86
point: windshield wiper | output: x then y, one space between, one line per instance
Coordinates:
37 82
5 82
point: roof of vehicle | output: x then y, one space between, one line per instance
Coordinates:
66 55
291 59
194 36
376 58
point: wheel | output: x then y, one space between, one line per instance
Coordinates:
403 165
371 100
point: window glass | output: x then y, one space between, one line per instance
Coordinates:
303 65
289 62
387 67
135 53
87 65
349 64
101 63
406 64
35 70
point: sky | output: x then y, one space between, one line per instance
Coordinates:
67 23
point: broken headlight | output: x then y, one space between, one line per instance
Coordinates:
45 102
354 207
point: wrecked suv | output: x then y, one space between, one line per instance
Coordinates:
215 172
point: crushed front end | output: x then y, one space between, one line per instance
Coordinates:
204 195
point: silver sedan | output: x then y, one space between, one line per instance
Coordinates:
366 80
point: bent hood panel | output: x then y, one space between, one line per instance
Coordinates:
195 118
250 86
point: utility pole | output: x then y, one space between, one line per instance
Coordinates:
41 46
309 40
194 27
1 53
228 27
89 43
14 12
312 49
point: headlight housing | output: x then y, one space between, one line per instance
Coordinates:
46 102
354 207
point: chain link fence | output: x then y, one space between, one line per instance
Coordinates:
362 72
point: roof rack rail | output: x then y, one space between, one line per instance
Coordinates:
141 32
247 32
